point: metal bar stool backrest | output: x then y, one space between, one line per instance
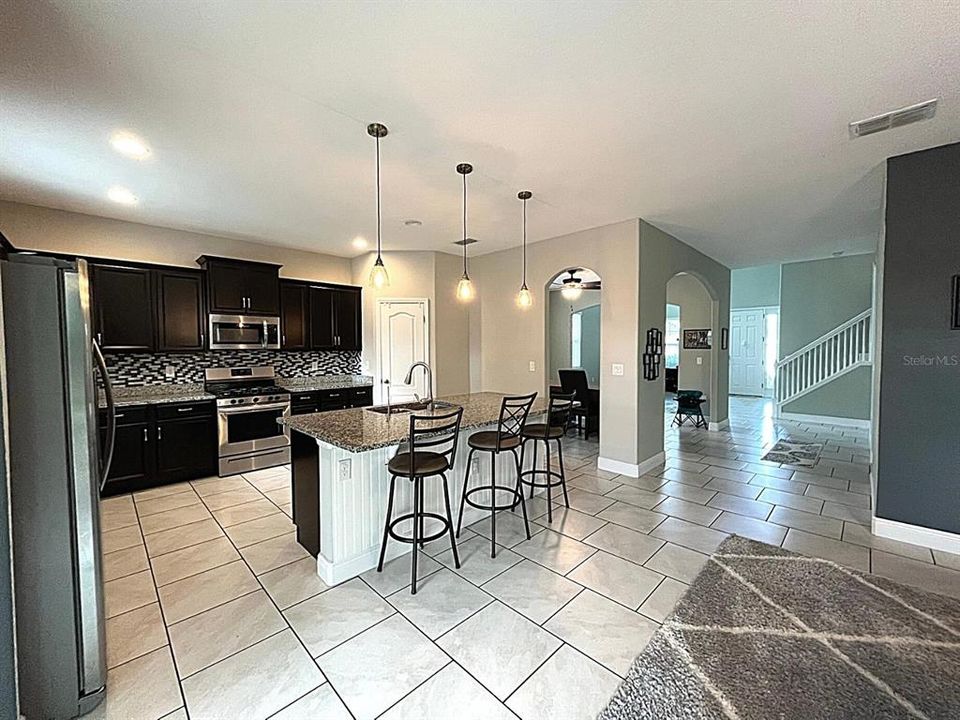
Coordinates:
435 434
561 407
513 416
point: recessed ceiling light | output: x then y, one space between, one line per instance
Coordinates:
413 223
359 242
130 145
122 195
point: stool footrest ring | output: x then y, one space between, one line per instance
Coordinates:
426 538
543 484
481 506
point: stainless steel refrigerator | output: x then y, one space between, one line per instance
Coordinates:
55 473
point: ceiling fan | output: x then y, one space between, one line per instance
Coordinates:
572 286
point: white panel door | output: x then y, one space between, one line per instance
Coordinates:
746 352
402 340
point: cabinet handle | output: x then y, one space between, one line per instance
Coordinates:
283 339
189 409
100 339
146 438
203 339
159 433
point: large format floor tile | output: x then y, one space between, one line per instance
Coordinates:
476 565
144 688
451 693
269 554
555 551
677 562
843 553
570 522
626 543
316 704
621 580
134 633
443 599
381 665
532 590
197 593
160 543
128 593
192 560
499 647
293 583
689 535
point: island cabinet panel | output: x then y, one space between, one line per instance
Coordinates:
294 316
180 310
123 308
160 444
241 287
306 494
314 401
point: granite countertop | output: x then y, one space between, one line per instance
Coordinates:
156 394
324 382
359 430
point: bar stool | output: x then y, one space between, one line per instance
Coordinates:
513 417
432 449
558 416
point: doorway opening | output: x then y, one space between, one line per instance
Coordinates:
690 340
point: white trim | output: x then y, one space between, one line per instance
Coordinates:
825 420
717 426
631 469
916 535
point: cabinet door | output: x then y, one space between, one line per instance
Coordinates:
294 313
123 308
228 292
348 329
263 290
186 449
180 316
322 335
132 464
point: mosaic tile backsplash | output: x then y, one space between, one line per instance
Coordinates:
134 369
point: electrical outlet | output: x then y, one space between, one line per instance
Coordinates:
699 361
316 366
169 371
616 369
345 469
533 366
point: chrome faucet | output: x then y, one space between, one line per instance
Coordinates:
429 381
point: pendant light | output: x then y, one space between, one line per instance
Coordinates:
378 274
465 291
524 297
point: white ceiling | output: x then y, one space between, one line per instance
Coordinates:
723 123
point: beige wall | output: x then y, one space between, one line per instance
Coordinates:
30 227
695 312
505 339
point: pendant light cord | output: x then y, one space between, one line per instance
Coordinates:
524 243
464 224
378 198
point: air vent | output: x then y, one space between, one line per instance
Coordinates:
468 241
896 118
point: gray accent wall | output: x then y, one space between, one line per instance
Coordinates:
918 453
815 297
694 301
755 287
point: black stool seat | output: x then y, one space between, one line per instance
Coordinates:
487 440
540 431
424 463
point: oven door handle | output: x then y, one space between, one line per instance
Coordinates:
253 408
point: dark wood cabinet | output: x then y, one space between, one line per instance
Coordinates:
294 316
160 444
314 401
335 322
241 287
180 310
347 318
322 332
123 308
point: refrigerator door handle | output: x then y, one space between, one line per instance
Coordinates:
111 415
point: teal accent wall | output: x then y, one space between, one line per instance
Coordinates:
590 343
755 287
815 297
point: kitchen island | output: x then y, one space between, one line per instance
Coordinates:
341 482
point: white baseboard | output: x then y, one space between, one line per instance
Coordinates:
916 535
717 426
631 469
825 420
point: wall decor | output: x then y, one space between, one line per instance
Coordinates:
724 338
955 322
653 352
697 339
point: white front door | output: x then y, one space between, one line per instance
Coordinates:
746 352
402 339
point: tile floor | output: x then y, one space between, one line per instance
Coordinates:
214 611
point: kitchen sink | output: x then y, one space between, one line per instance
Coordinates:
409 407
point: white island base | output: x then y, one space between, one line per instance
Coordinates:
340 501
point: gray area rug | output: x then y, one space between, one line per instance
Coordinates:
763 633
794 453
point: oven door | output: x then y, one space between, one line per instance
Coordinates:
252 428
244 332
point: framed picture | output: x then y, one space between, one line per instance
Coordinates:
724 338
697 339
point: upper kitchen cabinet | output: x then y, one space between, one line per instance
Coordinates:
335 318
180 311
241 287
123 308
294 316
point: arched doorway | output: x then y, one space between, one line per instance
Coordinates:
574 298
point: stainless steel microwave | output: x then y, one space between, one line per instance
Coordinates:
244 332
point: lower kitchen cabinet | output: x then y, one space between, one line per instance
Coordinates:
314 401
161 444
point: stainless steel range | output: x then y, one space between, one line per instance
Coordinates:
249 403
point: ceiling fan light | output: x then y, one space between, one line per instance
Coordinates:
571 291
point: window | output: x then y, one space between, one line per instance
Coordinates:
576 337
671 338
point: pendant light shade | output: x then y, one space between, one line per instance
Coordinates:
524 297
378 274
465 290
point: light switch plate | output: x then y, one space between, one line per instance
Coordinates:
344 470
533 366
616 369
699 361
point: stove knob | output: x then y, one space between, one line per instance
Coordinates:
256 400
234 401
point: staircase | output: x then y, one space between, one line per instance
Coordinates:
838 352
